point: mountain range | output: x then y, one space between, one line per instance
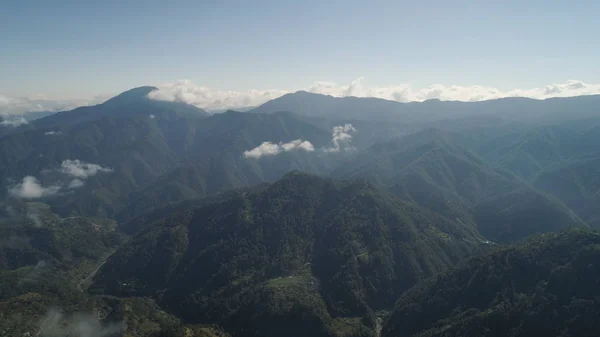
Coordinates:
309 215
348 247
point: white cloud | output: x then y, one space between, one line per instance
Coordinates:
272 149
203 97
152 116
341 138
264 149
55 324
31 188
298 144
209 99
53 133
13 121
408 93
80 169
75 183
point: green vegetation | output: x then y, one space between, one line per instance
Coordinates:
157 161
186 237
546 286
429 169
298 244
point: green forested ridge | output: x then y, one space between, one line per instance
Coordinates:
547 286
561 160
36 234
577 184
429 169
136 216
46 262
46 265
341 249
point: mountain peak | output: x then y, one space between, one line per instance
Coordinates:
134 94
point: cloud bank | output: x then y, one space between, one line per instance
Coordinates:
188 92
407 93
271 149
18 106
80 169
220 100
30 188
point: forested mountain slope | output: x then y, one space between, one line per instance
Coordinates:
303 247
547 286
428 168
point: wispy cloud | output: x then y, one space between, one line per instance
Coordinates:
13 121
55 324
75 183
53 133
80 169
10 106
341 137
31 188
272 149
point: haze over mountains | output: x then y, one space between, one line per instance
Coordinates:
309 215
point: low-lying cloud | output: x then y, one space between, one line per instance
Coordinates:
31 188
53 133
341 138
18 106
75 183
80 169
55 324
272 149
188 92
13 121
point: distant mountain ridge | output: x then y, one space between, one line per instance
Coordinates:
367 108
201 156
429 169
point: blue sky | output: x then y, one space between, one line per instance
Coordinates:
77 49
